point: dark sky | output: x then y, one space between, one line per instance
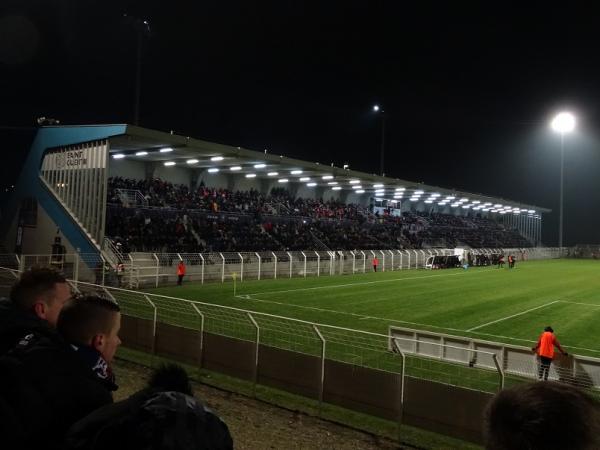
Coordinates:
468 87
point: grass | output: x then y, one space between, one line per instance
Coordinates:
563 293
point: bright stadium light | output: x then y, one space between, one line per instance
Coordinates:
498 205
332 183
562 123
360 191
375 108
216 158
442 203
166 150
428 201
305 179
450 197
419 192
378 185
336 188
379 191
273 174
400 189
531 211
327 177
354 181
235 168
283 180
119 156
260 166
311 184
357 186
141 153
169 163
191 161
398 196
213 170
250 175
476 202
296 172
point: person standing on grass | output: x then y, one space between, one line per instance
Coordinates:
545 350
375 263
501 262
180 272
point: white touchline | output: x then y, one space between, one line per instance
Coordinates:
370 282
360 316
582 304
510 317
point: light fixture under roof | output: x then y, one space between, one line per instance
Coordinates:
398 189
360 191
142 153
327 177
296 172
428 201
435 195
313 184
466 206
305 179
378 185
283 180
166 150
450 197
354 181
332 183
118 156
273 174
250 175
336 188
235 168
397 196
213 170
419 192
455 205
357 186
260 166
192 161
216 158
169 163
464 199
531 211
497 205
442 203
414 199
379 191
476 202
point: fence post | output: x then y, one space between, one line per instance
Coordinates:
322 379
304 263
382 260
223 270
353 262
154 320
258 256
392 253
318 263
201 333
500 371
76 266
290 255
202 269
364 261
241 266
402 376
103 267
157 269
255 375
275 268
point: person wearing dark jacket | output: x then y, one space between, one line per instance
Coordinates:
165 415
49 383
35 301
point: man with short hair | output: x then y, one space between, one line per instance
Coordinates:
51 383
35 301
545 349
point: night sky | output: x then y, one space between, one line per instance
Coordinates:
468 90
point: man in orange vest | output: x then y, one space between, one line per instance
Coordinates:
545 350
180 272
375 263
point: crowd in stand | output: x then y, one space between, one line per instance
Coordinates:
280 222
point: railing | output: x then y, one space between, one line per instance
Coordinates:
132 198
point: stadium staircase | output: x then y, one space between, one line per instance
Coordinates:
131 198
318 242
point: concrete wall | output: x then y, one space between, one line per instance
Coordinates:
176 175
126 168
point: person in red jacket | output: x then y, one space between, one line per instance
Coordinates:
375 263
180 272
545 350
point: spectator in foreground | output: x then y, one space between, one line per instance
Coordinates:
542 416
48 384
35 301
164 415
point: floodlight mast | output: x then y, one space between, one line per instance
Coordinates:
562 123
377 109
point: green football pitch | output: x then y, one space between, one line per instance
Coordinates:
502 305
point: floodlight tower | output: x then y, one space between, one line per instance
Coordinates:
562 123
378 110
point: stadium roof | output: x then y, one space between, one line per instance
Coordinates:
144 144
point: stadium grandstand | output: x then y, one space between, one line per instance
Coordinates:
148 191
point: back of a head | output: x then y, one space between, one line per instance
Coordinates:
86 316
544 415
35 283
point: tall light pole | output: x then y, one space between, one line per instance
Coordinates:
381 112
562 123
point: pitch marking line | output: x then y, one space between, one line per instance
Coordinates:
360 316
511 316
366 282
582 304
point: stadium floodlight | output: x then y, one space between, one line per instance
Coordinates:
502 212
435 195
419 192
250 175
354 181
464 199
487 203
375 108
476 202
379 191
413 199
378 185
305 179
283 180
531 211
466 206
450 197
191 161
260 166
141 153
562 123
166 150
497 205
485 209
273 174
336 188
296 172
442 203
393 201
169 163
213 170
332 183
398 196
357 186
454 205
118 156
327 177
311 184
428 201
216 158
235 168
360 191
400 189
